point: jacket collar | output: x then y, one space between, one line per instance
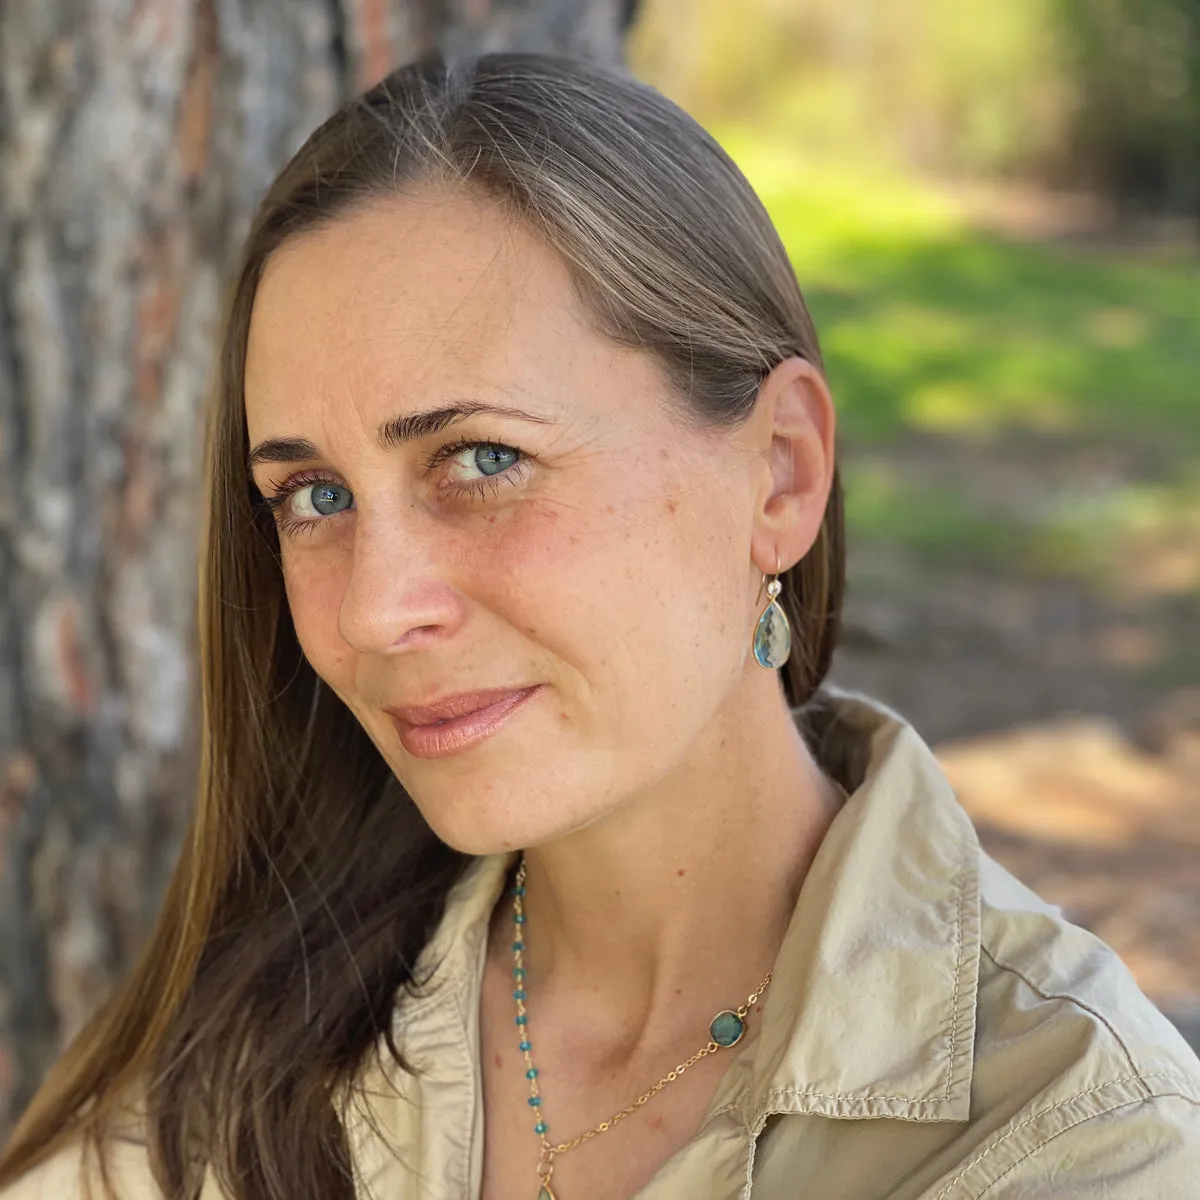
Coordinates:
871 1008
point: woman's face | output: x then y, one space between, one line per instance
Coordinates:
555 534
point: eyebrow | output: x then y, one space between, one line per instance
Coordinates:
392 433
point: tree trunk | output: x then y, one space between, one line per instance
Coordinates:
135 141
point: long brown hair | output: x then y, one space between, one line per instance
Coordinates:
309 883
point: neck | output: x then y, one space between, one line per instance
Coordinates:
641 926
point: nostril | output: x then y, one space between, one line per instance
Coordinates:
417 633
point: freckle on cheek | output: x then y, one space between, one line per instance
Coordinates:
672 506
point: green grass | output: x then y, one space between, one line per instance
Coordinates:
938 333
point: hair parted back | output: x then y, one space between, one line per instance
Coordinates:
309 882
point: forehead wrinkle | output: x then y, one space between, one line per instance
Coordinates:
487 308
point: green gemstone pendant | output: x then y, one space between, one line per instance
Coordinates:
727 1028
544 1193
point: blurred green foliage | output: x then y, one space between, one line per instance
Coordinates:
1097 93
1048 357
932 324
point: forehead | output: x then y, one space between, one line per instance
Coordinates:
430 289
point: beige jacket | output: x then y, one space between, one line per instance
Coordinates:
933 1030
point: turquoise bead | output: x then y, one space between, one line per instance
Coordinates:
531 1073
518 972
518 945
519 994
525 1046
519 890
534 1101
727 1028
519 918
522 1019
540 1127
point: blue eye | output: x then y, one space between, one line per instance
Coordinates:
491 458
479 468
320 500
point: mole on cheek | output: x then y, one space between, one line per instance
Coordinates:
672 506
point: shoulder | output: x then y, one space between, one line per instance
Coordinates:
1044 980
73 1173
1086 1086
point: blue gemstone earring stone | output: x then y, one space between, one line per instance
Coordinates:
772 637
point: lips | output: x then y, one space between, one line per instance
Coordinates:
449 707
458 722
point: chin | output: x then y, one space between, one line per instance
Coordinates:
477 838
470 820
470 828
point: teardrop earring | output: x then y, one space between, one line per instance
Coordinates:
773 634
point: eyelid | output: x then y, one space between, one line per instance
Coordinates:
450 449
281 490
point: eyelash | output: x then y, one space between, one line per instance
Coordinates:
474 489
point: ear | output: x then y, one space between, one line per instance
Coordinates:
795 425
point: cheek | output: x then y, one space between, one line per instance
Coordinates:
635 586
314 585
589 552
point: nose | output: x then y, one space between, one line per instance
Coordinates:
398 596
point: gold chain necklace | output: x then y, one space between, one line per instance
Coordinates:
725 1030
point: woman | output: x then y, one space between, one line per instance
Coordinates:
517 787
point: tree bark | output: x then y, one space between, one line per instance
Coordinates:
135 141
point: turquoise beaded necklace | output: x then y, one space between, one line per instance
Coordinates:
726 1029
